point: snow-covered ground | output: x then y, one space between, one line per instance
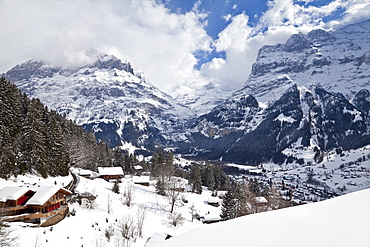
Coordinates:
88 226
342 221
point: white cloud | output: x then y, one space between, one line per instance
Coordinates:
64 33
241 42
154 40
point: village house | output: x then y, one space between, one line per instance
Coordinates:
35 205
111 173
138 170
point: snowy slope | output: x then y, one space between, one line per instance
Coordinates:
342 221
87 227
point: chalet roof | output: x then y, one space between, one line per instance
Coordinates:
110 171
12 193
213 199
43 194
83 172
140 179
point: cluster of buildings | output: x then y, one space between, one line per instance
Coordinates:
43 205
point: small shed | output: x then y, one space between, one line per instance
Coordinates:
85 173
213 201
110 173
211 218
141 180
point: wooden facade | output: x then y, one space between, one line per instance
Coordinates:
35 205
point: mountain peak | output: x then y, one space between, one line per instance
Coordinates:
297 43
110 62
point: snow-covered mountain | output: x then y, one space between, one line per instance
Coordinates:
107 97
337 61
310 93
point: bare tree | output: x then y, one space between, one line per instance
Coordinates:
176 219
174 189
140 217
7 237
109 232
127 195
109 204
127 229
98 242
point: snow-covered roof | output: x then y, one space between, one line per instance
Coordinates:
83 172
260 199
110 171
211 217
140 179
137 167
213 199
12 193
43 194
256 171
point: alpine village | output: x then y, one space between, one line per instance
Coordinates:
98 156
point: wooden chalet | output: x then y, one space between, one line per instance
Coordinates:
13 199
110 173
35 205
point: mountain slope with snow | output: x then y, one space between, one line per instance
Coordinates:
342 221
312 91
337 61
108 98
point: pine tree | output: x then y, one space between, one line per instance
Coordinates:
34 156
115 187
228 210
160 187
195 178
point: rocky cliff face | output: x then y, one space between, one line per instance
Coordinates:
314 120
312 94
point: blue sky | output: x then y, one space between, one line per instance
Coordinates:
219 13
180 45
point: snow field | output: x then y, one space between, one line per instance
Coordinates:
88 226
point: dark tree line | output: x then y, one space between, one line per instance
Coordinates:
34 139
210 176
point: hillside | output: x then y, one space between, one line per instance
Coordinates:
342 221
36 140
